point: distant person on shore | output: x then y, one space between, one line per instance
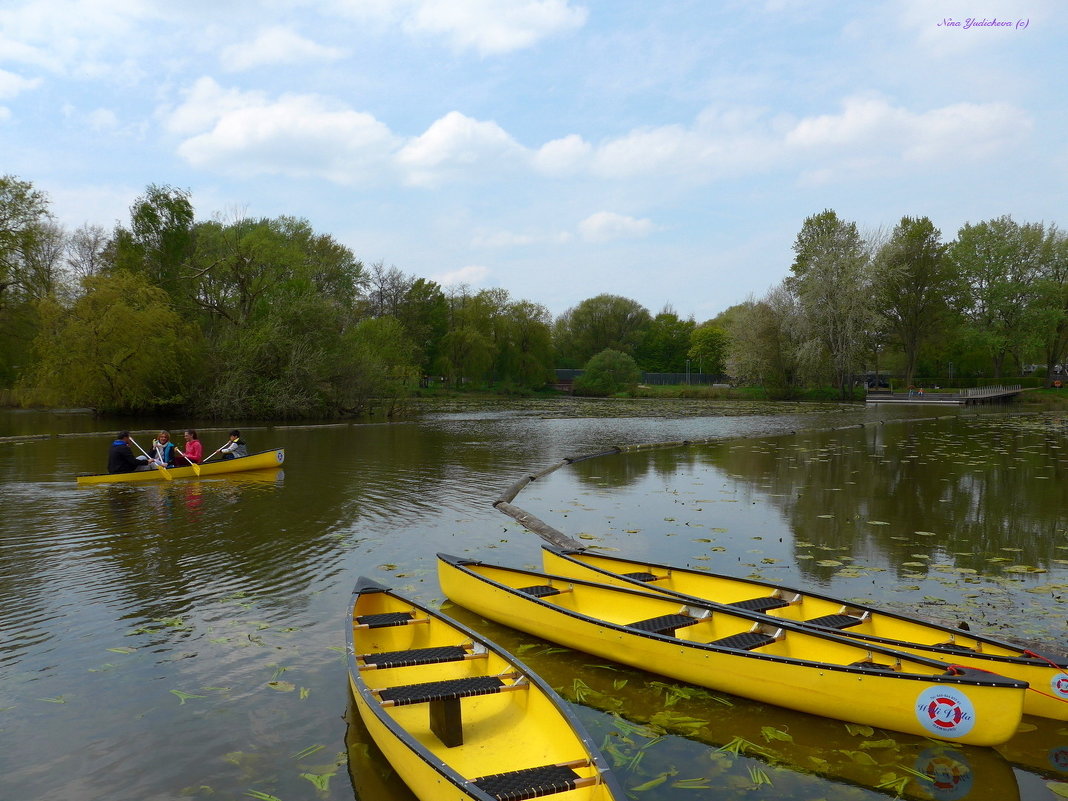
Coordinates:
121 458
192 452
163 448
235 448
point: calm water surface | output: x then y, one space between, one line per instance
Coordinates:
185 639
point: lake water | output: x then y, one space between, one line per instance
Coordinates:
185 639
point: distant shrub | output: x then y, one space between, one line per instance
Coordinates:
607 373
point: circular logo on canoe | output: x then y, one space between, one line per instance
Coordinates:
1058 758
950 774
945 711
1059 685
279 455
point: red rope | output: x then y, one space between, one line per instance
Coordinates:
1043 658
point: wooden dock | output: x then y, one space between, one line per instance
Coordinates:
967 397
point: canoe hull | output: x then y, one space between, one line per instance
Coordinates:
1048 680
440 760
977 713
254 461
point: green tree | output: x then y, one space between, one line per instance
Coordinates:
1000 263
763 343
708 348
665 343
913 282
159 241
607 373
832 282
599 323
278 299
120 347
1052 298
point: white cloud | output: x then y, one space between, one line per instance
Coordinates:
12 85
296 135
276 45
562 155
248 133
494 26
605 226
872 128
472 275
5 113
458 143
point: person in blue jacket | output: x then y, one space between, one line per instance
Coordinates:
121 458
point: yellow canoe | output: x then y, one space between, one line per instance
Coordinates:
457 717
254 461
742 653
1047 677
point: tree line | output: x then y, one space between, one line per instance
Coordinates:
267 318
984 304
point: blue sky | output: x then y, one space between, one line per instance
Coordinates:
665 151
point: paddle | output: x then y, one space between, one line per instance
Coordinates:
220 448
194 465
159 467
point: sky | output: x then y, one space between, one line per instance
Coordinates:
665 151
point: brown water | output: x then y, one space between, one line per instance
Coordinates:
185 639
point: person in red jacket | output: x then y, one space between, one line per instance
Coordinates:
192 452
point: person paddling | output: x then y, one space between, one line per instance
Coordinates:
235 448
121 458
193 452
163 448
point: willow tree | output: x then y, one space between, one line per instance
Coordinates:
120 347
25 223
832 280
603 322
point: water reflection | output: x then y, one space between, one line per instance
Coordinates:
203 619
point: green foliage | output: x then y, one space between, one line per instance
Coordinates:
120 347
607 373
25 277
158 241
665 343
604 321
832 284
913 281
999 264
708 347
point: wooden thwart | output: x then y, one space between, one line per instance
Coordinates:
444 697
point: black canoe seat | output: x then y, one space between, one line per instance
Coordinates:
539 590
528 783
416 656
869 665
441 690
953 647
665 624
386 619
641 575
834 621
762 604
444 700
746 641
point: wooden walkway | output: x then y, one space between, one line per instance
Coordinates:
998 394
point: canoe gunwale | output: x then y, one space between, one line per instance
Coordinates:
595 758
965 676
888 642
